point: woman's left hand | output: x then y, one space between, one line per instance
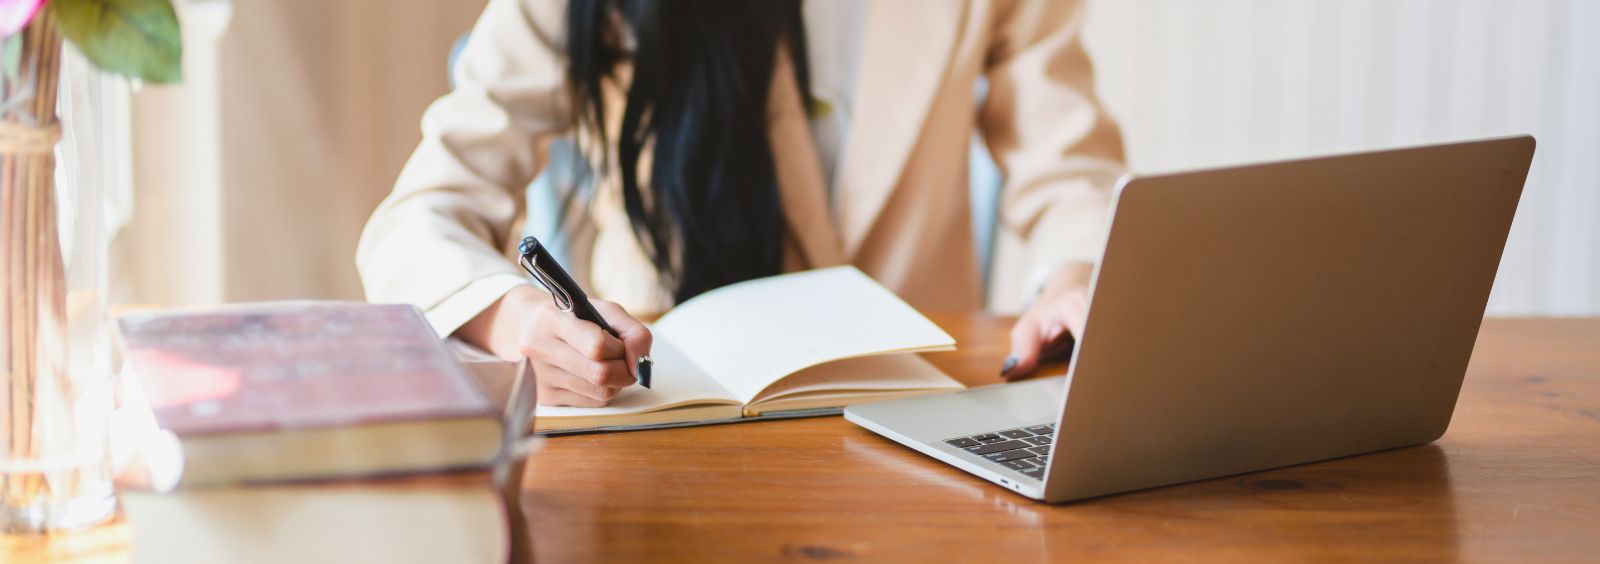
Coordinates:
1048 325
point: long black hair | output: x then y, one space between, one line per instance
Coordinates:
702 69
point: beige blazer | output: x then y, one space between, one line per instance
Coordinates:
900 206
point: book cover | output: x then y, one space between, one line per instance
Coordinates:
294 366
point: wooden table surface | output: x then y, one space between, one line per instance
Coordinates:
1516 478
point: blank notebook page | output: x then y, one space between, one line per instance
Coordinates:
749 335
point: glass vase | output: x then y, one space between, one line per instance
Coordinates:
56 393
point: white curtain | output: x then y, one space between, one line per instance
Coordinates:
1199 83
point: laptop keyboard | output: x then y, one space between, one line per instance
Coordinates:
1025 449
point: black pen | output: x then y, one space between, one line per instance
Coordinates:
569 297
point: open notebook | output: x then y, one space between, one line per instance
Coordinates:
793 345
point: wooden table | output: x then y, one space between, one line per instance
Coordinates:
1516 478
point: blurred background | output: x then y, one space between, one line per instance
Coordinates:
296 116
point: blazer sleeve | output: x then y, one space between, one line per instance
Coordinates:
1058 150
443 239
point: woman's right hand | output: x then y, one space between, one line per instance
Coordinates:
576 362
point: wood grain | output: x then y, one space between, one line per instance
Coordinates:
1516 478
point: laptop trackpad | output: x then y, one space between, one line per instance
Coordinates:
990 408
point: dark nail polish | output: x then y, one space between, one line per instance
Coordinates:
645 363
1011 362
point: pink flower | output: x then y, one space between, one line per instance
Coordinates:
15 14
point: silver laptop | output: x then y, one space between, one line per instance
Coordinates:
1249 318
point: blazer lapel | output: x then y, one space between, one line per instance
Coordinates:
905 51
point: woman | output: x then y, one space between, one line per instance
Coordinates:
735 139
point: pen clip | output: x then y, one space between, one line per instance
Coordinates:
559 294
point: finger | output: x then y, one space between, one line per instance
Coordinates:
587 338
1059 348
636 338
1076 314
1025 344
1042 337
1071 318
612 373
554 378
1054 336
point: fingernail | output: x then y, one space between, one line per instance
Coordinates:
1011 362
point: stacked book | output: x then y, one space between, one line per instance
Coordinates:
290 418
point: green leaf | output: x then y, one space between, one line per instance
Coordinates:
11 56
135 38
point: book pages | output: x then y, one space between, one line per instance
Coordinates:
749 335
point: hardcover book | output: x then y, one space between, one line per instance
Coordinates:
302 390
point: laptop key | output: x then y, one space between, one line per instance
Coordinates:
1031 461
1038 441
962 442
1017 464
1015 434
1008 455
998 447
1042 430
985 437
1039 450
1034 472
1040 460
